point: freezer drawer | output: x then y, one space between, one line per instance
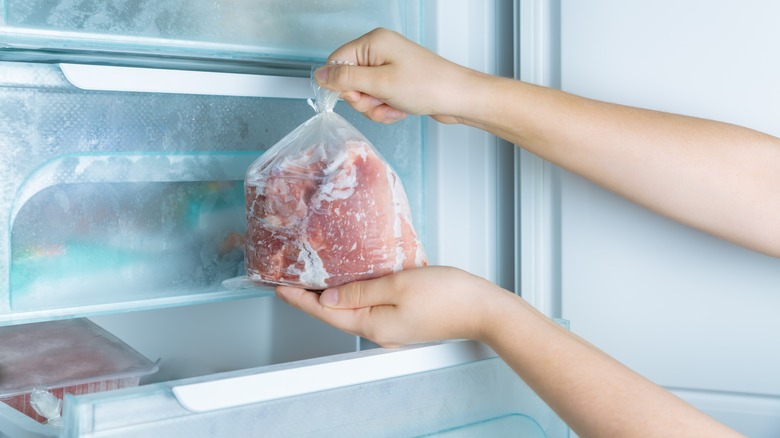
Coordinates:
454 389
133 199
279 35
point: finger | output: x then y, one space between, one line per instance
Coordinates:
360 101
385 114
372 107
369 49
301 298
369 80
348 320
351 97
361 294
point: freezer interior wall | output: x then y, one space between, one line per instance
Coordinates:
121 199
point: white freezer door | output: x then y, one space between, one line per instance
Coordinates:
700 314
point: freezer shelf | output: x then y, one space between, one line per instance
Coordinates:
479 394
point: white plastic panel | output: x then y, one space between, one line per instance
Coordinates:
255 388
538 57
150 80
696 312
464 189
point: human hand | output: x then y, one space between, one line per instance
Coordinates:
391 76
413 306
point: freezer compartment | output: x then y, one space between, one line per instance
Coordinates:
281 32
121 200
64 357
459 388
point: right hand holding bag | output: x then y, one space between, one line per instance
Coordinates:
325 209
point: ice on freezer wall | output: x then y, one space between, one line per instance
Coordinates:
306 27
75 242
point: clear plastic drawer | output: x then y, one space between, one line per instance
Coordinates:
478 398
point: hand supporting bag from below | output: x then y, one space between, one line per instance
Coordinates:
324 208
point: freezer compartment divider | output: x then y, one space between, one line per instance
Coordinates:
156 80
331 373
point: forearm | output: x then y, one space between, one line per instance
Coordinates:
593 393
720 178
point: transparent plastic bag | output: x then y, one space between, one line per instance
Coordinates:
47 405
324 208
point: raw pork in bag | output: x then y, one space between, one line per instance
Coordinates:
324 209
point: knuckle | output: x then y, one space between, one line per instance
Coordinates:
343 75
352 295
381 32
397 282
358 297
377 33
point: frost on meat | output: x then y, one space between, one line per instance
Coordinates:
327 216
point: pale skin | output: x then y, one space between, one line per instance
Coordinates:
720 178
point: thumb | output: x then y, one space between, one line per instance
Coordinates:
359 294
344 77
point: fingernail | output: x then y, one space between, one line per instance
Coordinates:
329 297
322 75
392 114
372 102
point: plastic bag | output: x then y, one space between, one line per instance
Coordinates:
324 208
47 405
